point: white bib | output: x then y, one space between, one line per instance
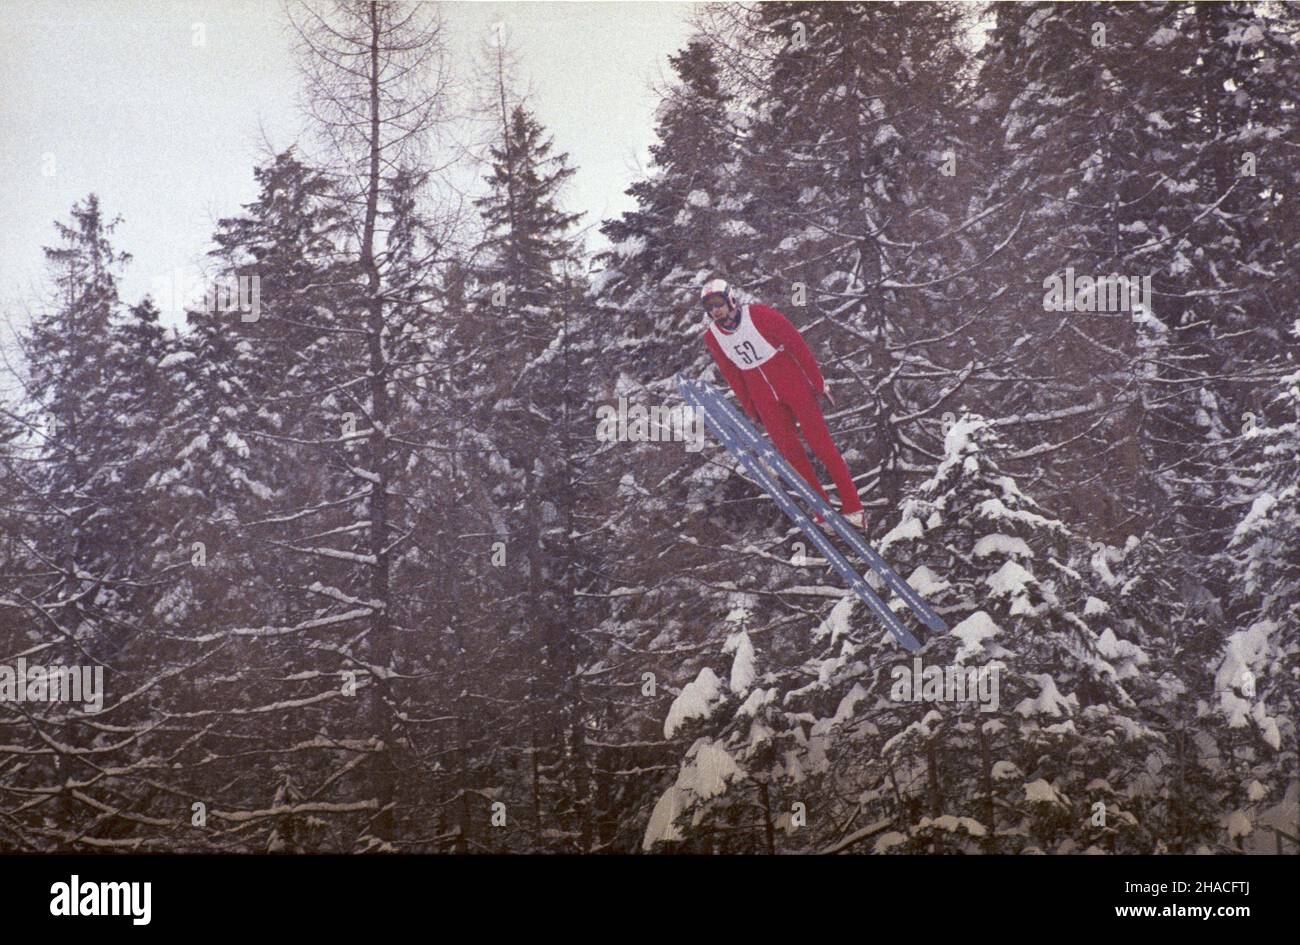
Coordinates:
745 347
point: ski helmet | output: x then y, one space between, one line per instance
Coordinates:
718 287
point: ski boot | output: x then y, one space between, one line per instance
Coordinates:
857 519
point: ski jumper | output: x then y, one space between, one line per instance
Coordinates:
776 379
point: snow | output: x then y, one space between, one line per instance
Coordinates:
244 816
317 587
740 612
958 439
338 553
632 246
921 729
739 228
995 509
760 734
1013 580
1243 655
1009 488
926 583
704 774
888 840
972 632
1148 321
199 442
757 699
837 621
793 768
1001 544
1041 792
1258 514
1163 37
1238 825
258 488
1095 605
1268 728
742 667
953 824
236 443
884 135
1049 701
176 357
908 528
697 700
601 281
843 712
794 241
1005 770
1124 657
1250 35
1102 568
662 826
707 770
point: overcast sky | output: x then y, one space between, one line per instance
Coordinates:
116 97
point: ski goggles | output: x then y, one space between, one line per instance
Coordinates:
715 301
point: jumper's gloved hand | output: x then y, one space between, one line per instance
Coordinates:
826 392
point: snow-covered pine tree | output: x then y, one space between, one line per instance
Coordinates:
1160 625
1153 181
462 541
1256 674
242 476
1144 175
1020 764
686 227
232 431
854 221
794 117
97 398
685 224
1064 99
1221 123
532 400
68 352
355 614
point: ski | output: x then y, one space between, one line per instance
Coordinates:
746 435
797 515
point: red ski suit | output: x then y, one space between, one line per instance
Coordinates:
776 379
